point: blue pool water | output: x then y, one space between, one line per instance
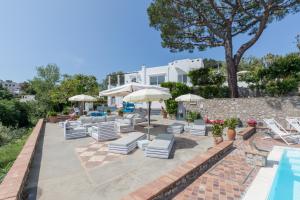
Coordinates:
286 184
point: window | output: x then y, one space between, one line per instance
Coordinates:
182 78
157 80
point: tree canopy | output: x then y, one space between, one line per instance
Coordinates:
199 24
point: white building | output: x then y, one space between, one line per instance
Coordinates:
13 87
26 98
175 71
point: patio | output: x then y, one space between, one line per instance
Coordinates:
84 169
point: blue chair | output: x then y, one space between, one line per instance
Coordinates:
128 107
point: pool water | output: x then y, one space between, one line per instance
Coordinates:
286 184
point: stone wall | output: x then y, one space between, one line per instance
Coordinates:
245 108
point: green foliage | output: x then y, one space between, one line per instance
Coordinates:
192 116
43 83
113 79
212 91
206 76
74 85
7 134
9 152
217 130
14 113
176 89
212 63
275 75
52 114
231 123
4 93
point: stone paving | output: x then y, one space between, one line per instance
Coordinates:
96 154
230 177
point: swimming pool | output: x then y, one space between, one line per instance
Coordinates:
286 184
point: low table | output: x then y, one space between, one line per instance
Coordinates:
142 144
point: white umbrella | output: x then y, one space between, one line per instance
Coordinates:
126 89
147 95
189 98
82 97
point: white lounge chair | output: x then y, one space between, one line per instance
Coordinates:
72 132
103 131
198 128
124 125
161 146
279 131
294 123
126 144
175 128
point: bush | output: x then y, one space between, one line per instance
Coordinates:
14 113
176 89
281 87
7 134
52 114
212 91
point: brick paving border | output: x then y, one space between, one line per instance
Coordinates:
13 183
176 180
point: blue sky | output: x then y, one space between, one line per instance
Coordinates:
97 37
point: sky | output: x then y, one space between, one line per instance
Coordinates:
96 37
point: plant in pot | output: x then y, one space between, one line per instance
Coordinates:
52 116
252 122
108 111
231 124
217 132
120 112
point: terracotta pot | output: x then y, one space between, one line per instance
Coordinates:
231 134
52 119
218 140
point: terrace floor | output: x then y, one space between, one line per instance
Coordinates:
84 169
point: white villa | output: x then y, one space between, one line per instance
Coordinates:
175 71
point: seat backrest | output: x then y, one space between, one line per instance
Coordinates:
294 122
199 122
275 127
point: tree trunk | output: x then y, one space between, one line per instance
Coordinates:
231 70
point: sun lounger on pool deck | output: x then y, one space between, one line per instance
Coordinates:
126 144
161 146
175 128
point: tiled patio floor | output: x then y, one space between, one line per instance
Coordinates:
230 177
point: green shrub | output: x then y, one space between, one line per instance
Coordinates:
7 134
176 89
14 113
52 114
192 116
231 123
212 91
217 130
282 87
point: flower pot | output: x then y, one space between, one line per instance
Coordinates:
231 134
52 119
218 140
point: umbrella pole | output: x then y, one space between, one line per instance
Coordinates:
149 113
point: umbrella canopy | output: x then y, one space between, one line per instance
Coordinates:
126 89
147 95
188 98
82 98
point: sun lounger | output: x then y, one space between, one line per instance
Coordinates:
175 128
72 132
103 131
124 125
294 123
198 128
279 131
126 144
161 146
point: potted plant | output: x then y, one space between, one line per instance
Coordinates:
120 112
231 124
52 116
108 111
217 132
